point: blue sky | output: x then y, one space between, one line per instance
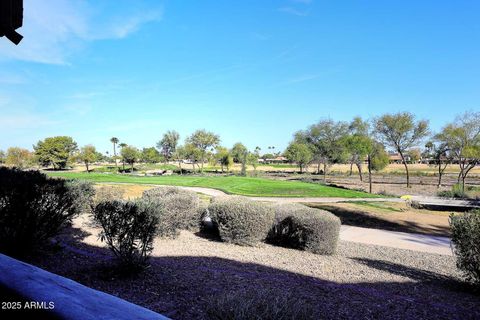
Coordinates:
252 71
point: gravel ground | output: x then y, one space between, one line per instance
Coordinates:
188 273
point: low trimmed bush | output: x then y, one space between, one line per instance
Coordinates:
466 240
33 208
180 208
128 229
161 192
240 220
301 227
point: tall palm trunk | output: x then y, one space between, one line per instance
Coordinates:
115 155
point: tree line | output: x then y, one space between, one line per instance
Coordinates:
360 143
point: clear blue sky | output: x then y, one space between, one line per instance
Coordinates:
252 71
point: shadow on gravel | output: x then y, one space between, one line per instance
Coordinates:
188 287
416 274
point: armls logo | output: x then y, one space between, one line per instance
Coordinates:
39 305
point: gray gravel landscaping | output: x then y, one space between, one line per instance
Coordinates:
358 282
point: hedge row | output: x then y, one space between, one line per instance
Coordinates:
242 221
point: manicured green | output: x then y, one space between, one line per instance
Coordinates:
247 186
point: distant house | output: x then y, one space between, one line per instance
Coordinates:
394 157
279 159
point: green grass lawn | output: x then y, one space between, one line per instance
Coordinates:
247 186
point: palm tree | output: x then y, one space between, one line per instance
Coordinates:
114 140
122 145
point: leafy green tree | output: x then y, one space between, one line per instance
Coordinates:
377 159
123 145
87 155
415 154
252 160
438 153
401 131
359 127
55 151
202 140
361 144
151 155
168 144
3 156
238 152
101 157
243 161
193 154
114 141
299 153
130 155
358 146
462 139
223 157
18 157
357 143
326 139
179 155
267 156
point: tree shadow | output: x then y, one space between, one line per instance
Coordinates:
183 287
423 276
362 219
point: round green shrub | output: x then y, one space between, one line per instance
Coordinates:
180 209
301 227
466 240
240 220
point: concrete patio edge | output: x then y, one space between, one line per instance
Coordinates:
71 300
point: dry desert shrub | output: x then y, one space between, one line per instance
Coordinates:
240 220
298 226
180 209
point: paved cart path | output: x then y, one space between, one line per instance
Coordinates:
401 240
216 193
